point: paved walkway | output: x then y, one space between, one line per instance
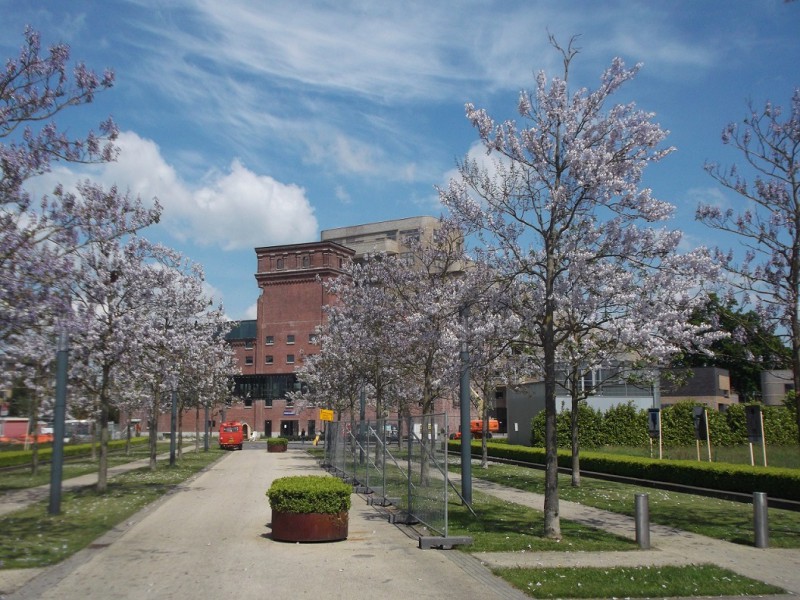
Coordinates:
211 539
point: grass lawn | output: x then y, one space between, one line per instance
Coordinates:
634 582
34 538
787 457
19 479
721 519
507 527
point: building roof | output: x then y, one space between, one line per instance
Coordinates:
242 330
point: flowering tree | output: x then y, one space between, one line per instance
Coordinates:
37 237
490 330
30 351
183 333
40 240
364 321
110 295
206 361
561 213
768 275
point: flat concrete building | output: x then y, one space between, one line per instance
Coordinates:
383 237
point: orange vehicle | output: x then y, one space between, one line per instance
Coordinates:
231 435
476 429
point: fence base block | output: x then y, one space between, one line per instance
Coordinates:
402 518
377 500
445 543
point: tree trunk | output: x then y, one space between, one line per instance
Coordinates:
796 369
93 432
32 431
487 389
128 434
153 431
179 433
102 471
574 423
197 428
552 522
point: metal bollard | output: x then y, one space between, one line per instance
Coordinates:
760 523
642 521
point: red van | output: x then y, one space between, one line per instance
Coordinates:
231 435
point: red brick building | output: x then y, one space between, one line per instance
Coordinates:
290 311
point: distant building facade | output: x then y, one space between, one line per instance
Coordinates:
385 237
705 385
775 385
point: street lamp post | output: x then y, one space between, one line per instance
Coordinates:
57 458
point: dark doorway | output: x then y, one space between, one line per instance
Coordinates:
289 429
268 428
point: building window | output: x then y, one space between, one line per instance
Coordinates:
306 261
268 360
290 338
290 359
248 360
280 264
248 345
269 340
313 338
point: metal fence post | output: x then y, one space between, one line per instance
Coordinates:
642 521
760 523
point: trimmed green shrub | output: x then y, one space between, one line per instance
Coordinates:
625 425
309 494
274 442
677 424
590 427
622 425
780 426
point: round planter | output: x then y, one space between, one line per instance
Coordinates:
277 448
309 527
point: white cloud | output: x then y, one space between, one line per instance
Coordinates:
233 209
241 209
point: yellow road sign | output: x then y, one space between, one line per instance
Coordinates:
325 414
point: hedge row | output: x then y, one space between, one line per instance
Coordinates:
16 458
775 482
625 425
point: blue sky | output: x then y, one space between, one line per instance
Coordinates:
262 123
